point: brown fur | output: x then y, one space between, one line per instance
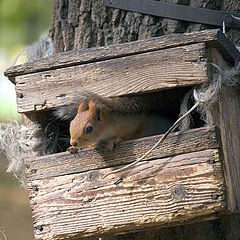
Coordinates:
109 126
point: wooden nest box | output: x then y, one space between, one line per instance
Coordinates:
192 176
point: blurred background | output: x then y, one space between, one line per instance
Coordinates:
21 23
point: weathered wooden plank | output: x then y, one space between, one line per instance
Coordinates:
226 115
163 69
125 152
153 193
83 56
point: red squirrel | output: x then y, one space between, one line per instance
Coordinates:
102 119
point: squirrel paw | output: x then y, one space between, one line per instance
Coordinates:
107 144
111 143
72 149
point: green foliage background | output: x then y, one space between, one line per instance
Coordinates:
21 23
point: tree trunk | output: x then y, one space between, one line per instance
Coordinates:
87 23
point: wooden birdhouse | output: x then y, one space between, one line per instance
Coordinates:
192 176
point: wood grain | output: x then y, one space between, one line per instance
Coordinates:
163 69
125 152
153 193
210 37
226 115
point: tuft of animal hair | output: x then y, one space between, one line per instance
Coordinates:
37 50
185 124
208 93
19 142
232 76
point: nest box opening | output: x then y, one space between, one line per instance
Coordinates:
165 103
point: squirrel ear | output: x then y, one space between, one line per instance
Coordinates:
96 111
103 113
92 109
82 107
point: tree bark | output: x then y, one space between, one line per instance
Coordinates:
87 23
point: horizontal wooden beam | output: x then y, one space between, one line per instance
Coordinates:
136 74
153 193
89 159
77 57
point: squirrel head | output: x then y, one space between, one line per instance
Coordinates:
86 127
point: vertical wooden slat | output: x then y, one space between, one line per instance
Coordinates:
226 114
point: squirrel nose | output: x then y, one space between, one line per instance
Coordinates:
73 143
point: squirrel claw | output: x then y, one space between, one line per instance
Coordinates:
110 145
72 149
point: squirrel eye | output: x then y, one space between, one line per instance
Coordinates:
89 129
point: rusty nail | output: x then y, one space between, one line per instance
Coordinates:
19 95
178 191
211 161
214 196
199 61
33 171
39 227
35 188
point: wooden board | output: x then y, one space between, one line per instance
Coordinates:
226 114
153 193
176 143
158 70
212 37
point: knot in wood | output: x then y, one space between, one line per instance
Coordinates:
179 192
